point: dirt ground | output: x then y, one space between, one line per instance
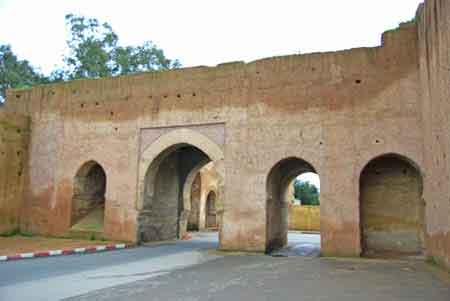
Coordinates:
21 244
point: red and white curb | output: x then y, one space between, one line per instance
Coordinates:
65 252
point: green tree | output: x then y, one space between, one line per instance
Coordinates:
306 192
95 52
15 73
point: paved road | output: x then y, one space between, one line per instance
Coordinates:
261 277
186 270
300 244
54 278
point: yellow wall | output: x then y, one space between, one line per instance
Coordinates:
304 218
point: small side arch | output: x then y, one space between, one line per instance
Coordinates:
210 210
277 182
392 209
89 188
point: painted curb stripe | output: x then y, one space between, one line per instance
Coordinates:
55 252
65 252
27 255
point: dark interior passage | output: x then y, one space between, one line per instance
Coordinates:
163 214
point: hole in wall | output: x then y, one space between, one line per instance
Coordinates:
96 103
358 81
377 141
313 69
179 95
18 131
82 105
18 153
116 129
111 113
17 95
193 94
19 173
165 96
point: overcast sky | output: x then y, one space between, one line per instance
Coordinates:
205 32
310 177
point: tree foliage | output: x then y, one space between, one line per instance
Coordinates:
306 192
15 73
95 52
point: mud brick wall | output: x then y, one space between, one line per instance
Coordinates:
14 135
434 58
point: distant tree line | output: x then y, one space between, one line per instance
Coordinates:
306 192
94 52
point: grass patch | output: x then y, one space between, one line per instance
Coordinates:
16 232
10 233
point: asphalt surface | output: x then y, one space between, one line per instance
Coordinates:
192 270
287 278
55 278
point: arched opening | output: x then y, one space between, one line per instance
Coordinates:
164 215
280 190
391 207
195 198
211 219
88 201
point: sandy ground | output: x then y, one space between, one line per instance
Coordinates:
22 244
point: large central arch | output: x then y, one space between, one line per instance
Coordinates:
166 170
